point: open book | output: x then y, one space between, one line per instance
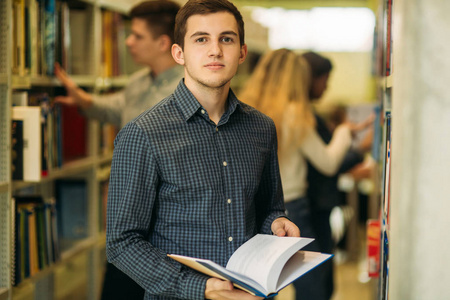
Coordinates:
263 265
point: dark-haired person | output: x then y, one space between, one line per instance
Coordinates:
322 191
150 42
197 174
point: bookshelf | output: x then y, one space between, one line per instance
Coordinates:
25 68
382 138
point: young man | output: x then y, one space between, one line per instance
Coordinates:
197 174
150 42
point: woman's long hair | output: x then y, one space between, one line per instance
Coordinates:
279 87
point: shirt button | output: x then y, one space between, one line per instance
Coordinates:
217 129
203 111
224 163
230 239
229 201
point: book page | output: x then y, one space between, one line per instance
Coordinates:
299 264
263 257
212 269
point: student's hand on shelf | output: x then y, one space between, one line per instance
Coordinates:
218 289
284 227
355 127
75 95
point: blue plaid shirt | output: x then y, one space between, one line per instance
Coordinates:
184 185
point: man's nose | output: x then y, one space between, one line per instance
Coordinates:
215 49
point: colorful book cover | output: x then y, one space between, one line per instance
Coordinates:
49 36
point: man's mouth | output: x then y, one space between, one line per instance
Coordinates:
214 66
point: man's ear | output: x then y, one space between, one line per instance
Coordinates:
165 43
178 54
243 55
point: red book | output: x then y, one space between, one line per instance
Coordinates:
74 133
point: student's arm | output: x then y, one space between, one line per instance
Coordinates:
75 95
327 158
105 108
131 202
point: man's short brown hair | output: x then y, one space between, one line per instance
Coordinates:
204 7
159 16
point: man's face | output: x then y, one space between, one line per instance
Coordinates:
212 50
143 47
319 85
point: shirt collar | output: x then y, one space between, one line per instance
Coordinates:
189 105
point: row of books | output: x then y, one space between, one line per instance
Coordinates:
49 31
46 136
35 238
45 228
35 33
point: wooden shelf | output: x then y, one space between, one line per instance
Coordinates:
68 170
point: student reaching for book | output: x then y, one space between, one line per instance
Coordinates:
150 41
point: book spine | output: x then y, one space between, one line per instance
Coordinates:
49 36
17 150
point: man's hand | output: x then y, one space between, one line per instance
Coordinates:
75 95
284 227
223 290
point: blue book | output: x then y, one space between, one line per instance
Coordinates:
49 36
72 210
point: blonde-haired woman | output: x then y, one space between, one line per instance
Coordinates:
279 88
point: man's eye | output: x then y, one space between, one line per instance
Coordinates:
227 39
200 40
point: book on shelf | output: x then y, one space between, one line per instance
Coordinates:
79 31
31 118
263 265
33 243
373 247
64 38
18 37
17 150
72 209
108 134
32 15
107 29
49 37
73 133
